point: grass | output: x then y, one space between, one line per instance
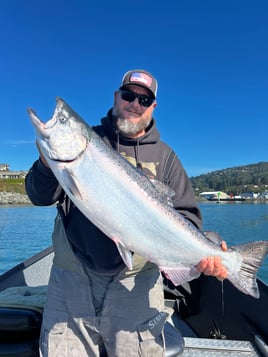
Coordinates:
12 185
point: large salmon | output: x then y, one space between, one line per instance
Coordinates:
128 208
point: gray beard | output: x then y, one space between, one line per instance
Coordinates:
129 129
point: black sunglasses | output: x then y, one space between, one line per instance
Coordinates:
144 100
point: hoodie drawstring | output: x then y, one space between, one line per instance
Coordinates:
117 140
136 149
138 162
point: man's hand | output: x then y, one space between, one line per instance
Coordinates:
213 265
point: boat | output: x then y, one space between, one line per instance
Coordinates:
219 196
228 199
210 318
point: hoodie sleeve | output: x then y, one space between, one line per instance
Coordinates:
42 186
184 200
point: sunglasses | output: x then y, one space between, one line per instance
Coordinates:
143 99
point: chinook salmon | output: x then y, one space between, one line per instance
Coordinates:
129 209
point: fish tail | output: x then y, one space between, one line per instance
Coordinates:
253 255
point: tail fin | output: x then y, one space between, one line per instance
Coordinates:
253 255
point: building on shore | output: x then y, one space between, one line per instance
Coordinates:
214 195
5 173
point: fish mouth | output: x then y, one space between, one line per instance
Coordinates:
44 131
37 123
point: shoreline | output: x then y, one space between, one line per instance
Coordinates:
14 198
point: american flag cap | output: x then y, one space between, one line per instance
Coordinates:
142 78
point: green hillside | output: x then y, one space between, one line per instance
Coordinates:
235 180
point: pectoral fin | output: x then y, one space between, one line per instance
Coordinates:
70 184
126 255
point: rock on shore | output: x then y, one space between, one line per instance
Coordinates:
13 198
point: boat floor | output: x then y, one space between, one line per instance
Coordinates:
196 346
209 347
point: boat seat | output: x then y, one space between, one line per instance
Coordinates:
19 324
19 332
19 349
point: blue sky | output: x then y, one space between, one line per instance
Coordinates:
210 58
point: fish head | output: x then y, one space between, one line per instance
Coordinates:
64 137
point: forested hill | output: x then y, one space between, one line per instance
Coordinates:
248 178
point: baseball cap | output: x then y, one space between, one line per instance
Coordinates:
142 78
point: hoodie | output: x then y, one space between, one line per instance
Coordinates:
149 154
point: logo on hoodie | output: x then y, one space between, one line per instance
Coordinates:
150 167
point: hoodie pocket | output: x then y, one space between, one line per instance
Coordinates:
52 337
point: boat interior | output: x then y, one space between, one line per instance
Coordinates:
210 318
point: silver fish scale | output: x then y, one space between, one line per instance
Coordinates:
209 347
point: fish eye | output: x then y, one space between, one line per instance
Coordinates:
62 119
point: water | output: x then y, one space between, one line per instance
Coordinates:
25 231
238 223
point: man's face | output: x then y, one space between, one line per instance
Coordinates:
132 118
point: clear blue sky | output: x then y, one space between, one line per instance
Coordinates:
209 56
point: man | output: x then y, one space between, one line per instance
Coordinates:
95 305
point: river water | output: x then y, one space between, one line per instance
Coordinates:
25 230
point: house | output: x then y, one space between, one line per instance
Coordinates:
4 167
214 195
250 195
12 174
5 173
